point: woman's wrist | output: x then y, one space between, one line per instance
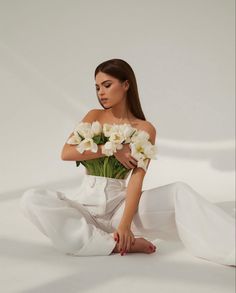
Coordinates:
100 150
125 224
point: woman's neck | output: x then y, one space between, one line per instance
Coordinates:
120 117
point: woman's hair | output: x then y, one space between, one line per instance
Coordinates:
121 70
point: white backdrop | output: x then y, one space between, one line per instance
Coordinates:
182 53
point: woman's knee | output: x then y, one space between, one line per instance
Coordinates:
180 185
29 197
182 190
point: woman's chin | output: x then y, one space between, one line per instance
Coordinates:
107 107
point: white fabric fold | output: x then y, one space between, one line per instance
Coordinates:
83 224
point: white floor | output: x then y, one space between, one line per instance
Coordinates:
29 263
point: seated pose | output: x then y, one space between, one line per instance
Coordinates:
109 215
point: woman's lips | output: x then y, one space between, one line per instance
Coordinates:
104 100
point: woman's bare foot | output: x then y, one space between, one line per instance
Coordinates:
140 245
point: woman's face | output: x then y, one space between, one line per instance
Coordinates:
110 91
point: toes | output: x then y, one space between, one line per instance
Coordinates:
152 248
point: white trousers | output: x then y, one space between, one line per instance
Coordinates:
83 224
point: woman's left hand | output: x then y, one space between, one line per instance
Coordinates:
125 238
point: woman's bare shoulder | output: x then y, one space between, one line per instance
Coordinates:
149 128
96 111
145 125
92 115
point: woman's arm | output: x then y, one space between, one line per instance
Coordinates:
69 152
134 188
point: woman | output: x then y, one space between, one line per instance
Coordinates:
105 216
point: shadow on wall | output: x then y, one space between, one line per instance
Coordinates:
219 155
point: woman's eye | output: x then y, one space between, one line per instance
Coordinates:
97 89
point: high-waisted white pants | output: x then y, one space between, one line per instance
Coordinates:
83 224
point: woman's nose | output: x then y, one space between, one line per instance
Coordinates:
101 93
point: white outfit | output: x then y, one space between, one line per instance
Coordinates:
83 224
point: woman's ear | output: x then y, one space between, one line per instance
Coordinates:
126 84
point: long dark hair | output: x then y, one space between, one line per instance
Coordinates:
121 70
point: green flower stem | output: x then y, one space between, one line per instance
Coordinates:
107 166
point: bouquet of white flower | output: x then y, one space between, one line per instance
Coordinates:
87 136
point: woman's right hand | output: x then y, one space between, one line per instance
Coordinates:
124 156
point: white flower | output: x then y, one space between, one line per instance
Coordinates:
81 125
74 139
107 129
127 130
143 163
143 150
109 148
116 127
87 144
140 135
118 134
150 150
85 129
116 137
96 128
137 150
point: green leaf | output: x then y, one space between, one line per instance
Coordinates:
97 139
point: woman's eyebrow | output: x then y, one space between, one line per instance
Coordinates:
104 81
